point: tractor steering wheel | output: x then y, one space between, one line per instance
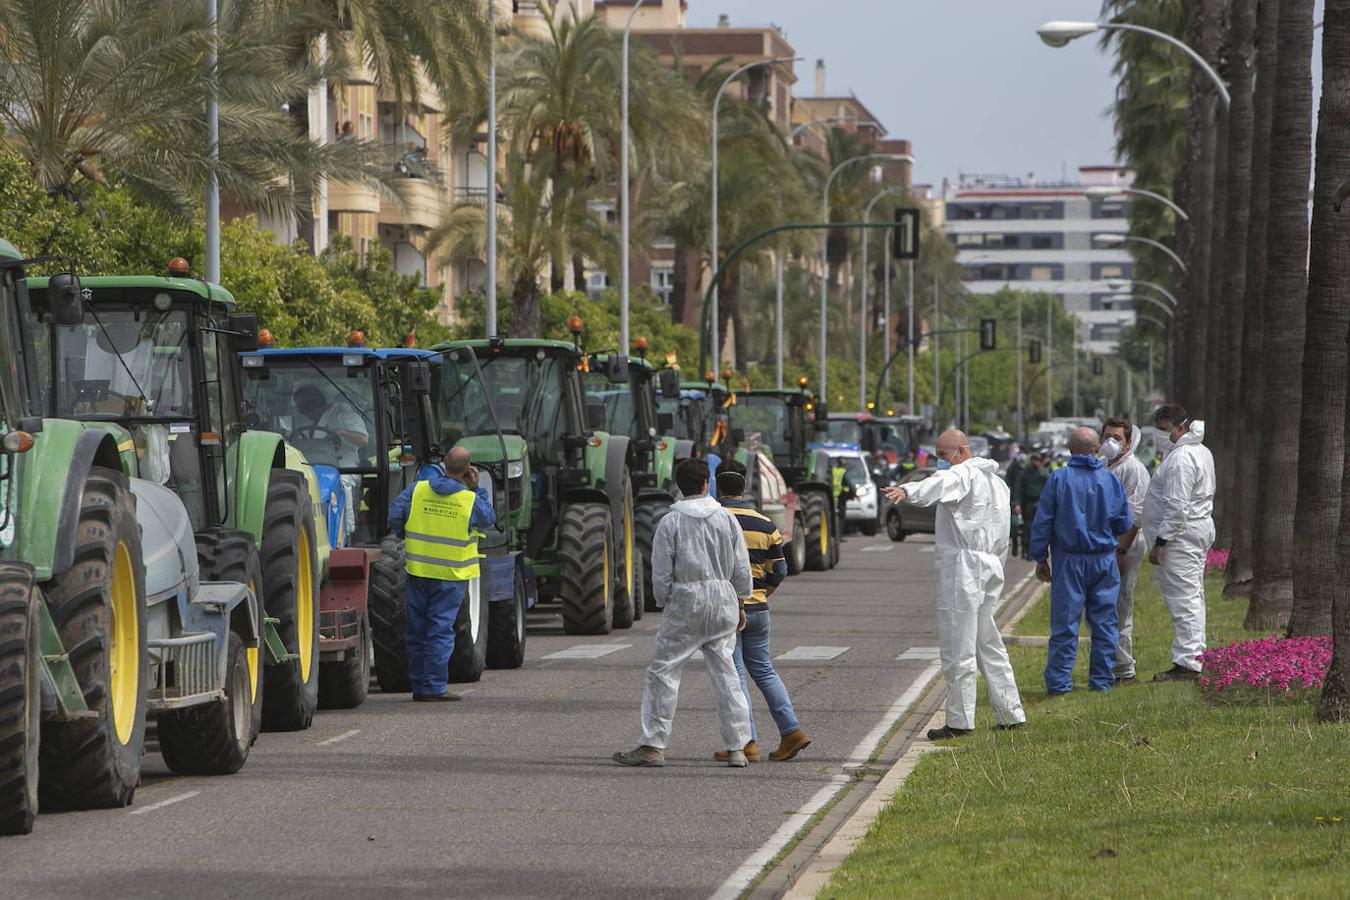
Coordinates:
317 433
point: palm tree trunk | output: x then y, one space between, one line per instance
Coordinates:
1285 299
679 285
1329 282
525 307
1322 435
1251 388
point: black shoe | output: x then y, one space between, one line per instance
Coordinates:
946 731
1013 727
1053 694
447 697
1125 679
1177 673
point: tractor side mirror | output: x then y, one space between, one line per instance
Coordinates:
822 414
669 382
616 369
665 422
65 299
244 332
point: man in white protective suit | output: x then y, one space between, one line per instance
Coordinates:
1178 523
973 518
700 577
1119 440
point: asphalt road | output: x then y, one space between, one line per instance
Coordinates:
511 793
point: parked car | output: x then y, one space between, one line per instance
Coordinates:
904 519
861 510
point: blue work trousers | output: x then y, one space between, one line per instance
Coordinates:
752 657
431 607
1082 582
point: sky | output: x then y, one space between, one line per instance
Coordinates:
968 81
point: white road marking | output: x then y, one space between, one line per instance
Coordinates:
586 651
740 879
919 653
868 745
736 885
341 737
927 548
142 810
815 653
879 548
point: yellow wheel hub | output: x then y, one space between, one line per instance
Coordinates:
251 654
628 542
304 603
124 650
824 531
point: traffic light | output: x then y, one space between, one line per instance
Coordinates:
988 334
1096 365
1034 352
905 241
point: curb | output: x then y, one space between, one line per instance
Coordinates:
807 868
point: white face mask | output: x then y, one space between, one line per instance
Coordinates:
1163 441
1110 451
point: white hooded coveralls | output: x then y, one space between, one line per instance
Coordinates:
1178 509
1134 478
972 522
700 572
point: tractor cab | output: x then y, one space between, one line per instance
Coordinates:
630 408
151 359
357 414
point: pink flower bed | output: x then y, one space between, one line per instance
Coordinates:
1216 561
1292 667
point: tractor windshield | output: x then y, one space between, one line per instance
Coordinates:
322 407
119 364
526 391
681 411
12 403
845 431
615 399
767 414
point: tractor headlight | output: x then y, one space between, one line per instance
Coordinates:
515 468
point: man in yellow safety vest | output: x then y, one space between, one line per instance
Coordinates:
438 519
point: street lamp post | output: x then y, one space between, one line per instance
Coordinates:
886 305
1117 240
1049 358
491 318
712 265
863 322
778 314
1057 34
623 189
1102 192
1122 285
824 260
212 153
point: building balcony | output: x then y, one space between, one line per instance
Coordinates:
349 197
422 207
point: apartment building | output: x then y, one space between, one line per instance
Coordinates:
1038 235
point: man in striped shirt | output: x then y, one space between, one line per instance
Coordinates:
768 568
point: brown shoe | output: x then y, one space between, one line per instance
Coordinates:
751 753
792 743
642 757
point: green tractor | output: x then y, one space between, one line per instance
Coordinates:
631 410
571 491
153 362
105 616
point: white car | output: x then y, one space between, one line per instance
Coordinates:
863 510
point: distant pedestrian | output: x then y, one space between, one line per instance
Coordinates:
768 567
1080 517
1178 521
700 573
1030 483
843 489
438 519
1119 439
972 546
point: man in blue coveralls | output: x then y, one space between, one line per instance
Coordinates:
438 519
1081 513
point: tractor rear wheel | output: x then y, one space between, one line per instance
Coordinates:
227 554
98 607
645 519
291 595
344 683
471 635
506 627
20 698
818 533
388 622
586 582
213 739
626 597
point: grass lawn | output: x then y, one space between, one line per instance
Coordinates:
1145 791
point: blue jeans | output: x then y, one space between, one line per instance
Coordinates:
752 654
1082 582
431 607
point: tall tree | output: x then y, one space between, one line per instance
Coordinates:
1322 433
1285 299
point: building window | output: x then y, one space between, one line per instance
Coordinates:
663 284
970 240
1042 273
1042 242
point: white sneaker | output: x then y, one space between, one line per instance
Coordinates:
736 759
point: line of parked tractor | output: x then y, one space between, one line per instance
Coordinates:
183 543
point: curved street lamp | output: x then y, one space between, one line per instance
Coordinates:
1102 192
1118 240
825 265
1057 34
712 267
804 125
1133 298
1124 285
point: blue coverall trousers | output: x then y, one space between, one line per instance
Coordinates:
1082 582
431 607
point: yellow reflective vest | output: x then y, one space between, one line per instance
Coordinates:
837 473
438 542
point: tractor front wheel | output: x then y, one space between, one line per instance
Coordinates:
506 627
344 683
818 533
213 739
20 698
796 551
388 619
645 520
471 636
227 554
586 582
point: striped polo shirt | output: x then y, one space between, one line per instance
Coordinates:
767 564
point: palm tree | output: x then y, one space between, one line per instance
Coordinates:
1322 435
1285 297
